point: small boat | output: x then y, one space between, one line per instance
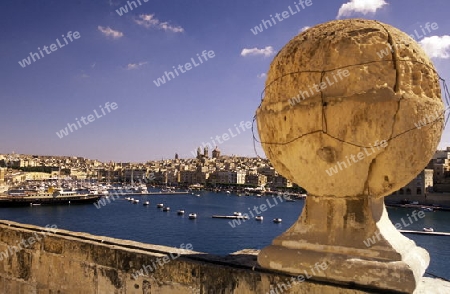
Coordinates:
198 195
192 215
428 229
180 212
237 213
231 216
259 218
135 201
146 203
166 208
227 192
277 220
427 209
160 205
258 195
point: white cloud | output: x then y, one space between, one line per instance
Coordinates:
268 51
303 29
149 20
360 6
436 46
262 75
110 32
135 65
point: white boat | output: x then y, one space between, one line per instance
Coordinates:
277 220
198 195
259 218
135 201
146 203
143 190
228 192
166 208
192 215
258 195
428 229
160 205
237 213
180 212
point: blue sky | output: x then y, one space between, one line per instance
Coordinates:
117 58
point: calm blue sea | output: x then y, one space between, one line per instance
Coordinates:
124 220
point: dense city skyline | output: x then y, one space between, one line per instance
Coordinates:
66 64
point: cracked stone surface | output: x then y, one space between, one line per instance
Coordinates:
339 115
391 85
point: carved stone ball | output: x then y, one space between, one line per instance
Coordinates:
343 106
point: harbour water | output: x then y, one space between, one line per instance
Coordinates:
122 219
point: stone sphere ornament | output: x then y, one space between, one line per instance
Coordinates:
339 117
337 92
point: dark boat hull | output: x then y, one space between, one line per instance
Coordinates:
50 201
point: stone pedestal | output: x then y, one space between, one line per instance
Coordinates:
340 120
355 239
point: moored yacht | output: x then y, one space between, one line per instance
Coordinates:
27 197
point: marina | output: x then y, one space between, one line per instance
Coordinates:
190 221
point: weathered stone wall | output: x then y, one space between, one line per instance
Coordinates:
70 262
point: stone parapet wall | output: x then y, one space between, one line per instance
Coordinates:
61 261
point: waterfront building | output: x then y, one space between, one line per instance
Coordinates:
279 181
2 175
419 186
229 177
78 174
188 177
135 174
173 177
37 176
268 171
255 180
